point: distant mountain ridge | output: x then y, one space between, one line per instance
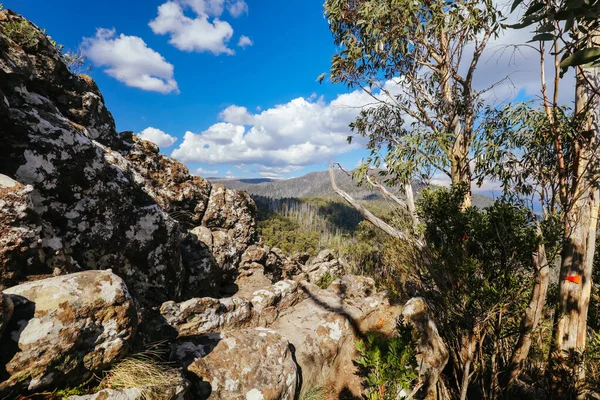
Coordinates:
313 184
317 184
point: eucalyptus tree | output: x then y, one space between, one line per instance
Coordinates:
570 29
417 61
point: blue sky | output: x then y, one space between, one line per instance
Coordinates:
229 86
291 46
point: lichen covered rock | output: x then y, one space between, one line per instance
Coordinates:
58 141
64 329
253 364
324 328
206 315
28 246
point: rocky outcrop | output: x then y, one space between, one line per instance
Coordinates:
322 325
253 364
56 135
77 195
64 329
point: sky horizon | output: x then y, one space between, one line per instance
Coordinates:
229 87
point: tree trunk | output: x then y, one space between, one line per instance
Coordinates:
432 353
532 315
581 222
471 344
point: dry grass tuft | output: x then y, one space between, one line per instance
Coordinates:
155 379
313 393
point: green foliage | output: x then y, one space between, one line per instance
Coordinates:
22 33
282 232
485 259
415 121
325 280
388 364
87 387
486 254
570 24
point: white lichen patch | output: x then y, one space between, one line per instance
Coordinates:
232 385
335 330
144 229
36 330
36 167
254 394
109 291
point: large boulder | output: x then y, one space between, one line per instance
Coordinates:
252 364
64 329
324 328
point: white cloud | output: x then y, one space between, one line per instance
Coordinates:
298 133
236 115
129 60
245 41
158 137
510 56
205 172
277 172
206 32
237 8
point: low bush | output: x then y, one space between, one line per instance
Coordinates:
388 364
22 33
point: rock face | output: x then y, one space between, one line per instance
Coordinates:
253 364
324 327
64 329
76 195
28 246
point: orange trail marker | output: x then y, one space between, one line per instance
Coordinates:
574 278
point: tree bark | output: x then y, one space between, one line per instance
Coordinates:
532 315
369 216
581 223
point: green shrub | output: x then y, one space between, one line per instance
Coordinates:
22 33
388 364
325 280
286 234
